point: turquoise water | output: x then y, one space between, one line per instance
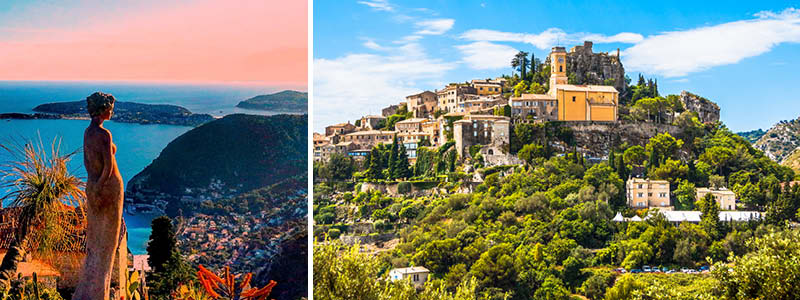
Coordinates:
137 145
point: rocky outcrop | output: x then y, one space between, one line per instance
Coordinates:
780 140
596 138
707 111
588 67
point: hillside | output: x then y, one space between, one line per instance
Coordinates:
792 160
285 101
130 112
780 140
224 158
752 136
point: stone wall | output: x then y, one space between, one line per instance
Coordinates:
596 138
366 239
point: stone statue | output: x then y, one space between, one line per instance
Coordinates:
104 195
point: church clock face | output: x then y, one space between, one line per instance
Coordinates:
561 59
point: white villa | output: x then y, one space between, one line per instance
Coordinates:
417 275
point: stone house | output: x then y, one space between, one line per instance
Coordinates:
481 130
339 129
487 87
452 97
422 105
534 108
370 122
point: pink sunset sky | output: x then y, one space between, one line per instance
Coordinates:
249 41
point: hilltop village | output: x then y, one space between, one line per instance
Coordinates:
553 182
479 117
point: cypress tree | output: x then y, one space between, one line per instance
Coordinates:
401 169
611 161
375 170
392 158
162 243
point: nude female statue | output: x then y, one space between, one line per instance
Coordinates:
104 194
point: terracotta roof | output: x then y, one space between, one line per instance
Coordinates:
533 97
412 120
586 88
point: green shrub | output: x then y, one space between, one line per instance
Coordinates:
404 187
334 233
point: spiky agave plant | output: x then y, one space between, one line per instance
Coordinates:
43 192
225 287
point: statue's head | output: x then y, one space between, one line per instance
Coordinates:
100 103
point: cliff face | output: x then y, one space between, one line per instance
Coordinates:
707 111
780 140
595 139
594 68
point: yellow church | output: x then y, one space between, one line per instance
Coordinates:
578 102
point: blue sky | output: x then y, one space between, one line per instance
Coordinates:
372 53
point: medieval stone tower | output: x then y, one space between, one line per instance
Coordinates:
558 68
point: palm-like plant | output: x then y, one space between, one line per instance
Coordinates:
43 192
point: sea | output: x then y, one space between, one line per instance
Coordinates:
137 145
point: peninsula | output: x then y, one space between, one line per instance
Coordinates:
124 112
285 101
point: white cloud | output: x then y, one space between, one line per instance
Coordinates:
348 87
486 55
373 45
548 38
382 5
408 39
434 27
678 53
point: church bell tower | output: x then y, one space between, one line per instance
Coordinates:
558 67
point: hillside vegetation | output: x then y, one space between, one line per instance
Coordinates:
780 140
235 154
130 112
285 101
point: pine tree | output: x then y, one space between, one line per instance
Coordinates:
402 168
641 80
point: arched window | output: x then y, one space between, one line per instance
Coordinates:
491 152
